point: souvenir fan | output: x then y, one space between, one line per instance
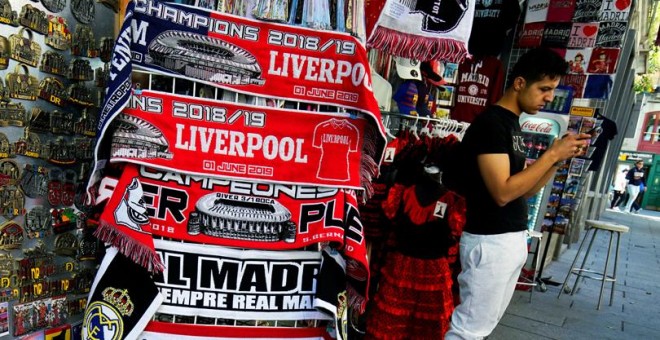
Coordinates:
316 14
424 30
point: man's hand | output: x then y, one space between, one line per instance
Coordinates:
570 145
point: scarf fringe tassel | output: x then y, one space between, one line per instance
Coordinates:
137 252
417 47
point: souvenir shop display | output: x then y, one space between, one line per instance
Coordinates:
46 141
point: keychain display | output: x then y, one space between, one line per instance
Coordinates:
5 51
34 181
11 235
80 94
12 113
54 6
105 49
66 244
61 123
102 74
29 145
34 18
86 124
60 152
84 43
52 90
37 222
39 120
6 149
83 10
7 14
80 69
24 49
59 36
22 85
54 63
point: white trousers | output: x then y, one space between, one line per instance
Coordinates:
633 191
491 266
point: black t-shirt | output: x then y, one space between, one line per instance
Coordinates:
608 132
495 131
492 21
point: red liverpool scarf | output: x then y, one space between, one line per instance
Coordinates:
221 139
423 30
246 56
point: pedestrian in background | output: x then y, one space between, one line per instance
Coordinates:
619 188
635 177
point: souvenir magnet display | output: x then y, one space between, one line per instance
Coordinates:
24 49
29 145
7 15
80 94
4 52
54 6
39 120
34 181
83 10
10 173
105 50
86 124
37 222
34 18
84 43
66 244
63 220
13 114
102 74
12 201
53 62
6 148
61 122
22 85
59 36
52 90
11 236
60 152
80 69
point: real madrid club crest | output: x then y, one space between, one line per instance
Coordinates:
24 49
83 10
59 36
104 318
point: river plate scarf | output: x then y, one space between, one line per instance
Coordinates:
246 56
424 30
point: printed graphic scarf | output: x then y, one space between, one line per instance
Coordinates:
144 201
221 139
242 55
424 30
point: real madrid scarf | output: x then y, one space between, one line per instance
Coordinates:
424 30
242 55
122 299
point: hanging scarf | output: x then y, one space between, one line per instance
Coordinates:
246 56
424 30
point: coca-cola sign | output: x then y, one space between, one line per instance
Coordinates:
539 125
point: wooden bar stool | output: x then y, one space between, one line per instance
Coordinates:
603 276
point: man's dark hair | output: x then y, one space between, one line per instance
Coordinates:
538 63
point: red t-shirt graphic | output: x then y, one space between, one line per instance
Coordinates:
336 138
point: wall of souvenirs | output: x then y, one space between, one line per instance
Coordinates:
53 70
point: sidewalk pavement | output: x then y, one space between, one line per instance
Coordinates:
635 312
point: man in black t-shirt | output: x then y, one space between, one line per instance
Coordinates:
493 246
